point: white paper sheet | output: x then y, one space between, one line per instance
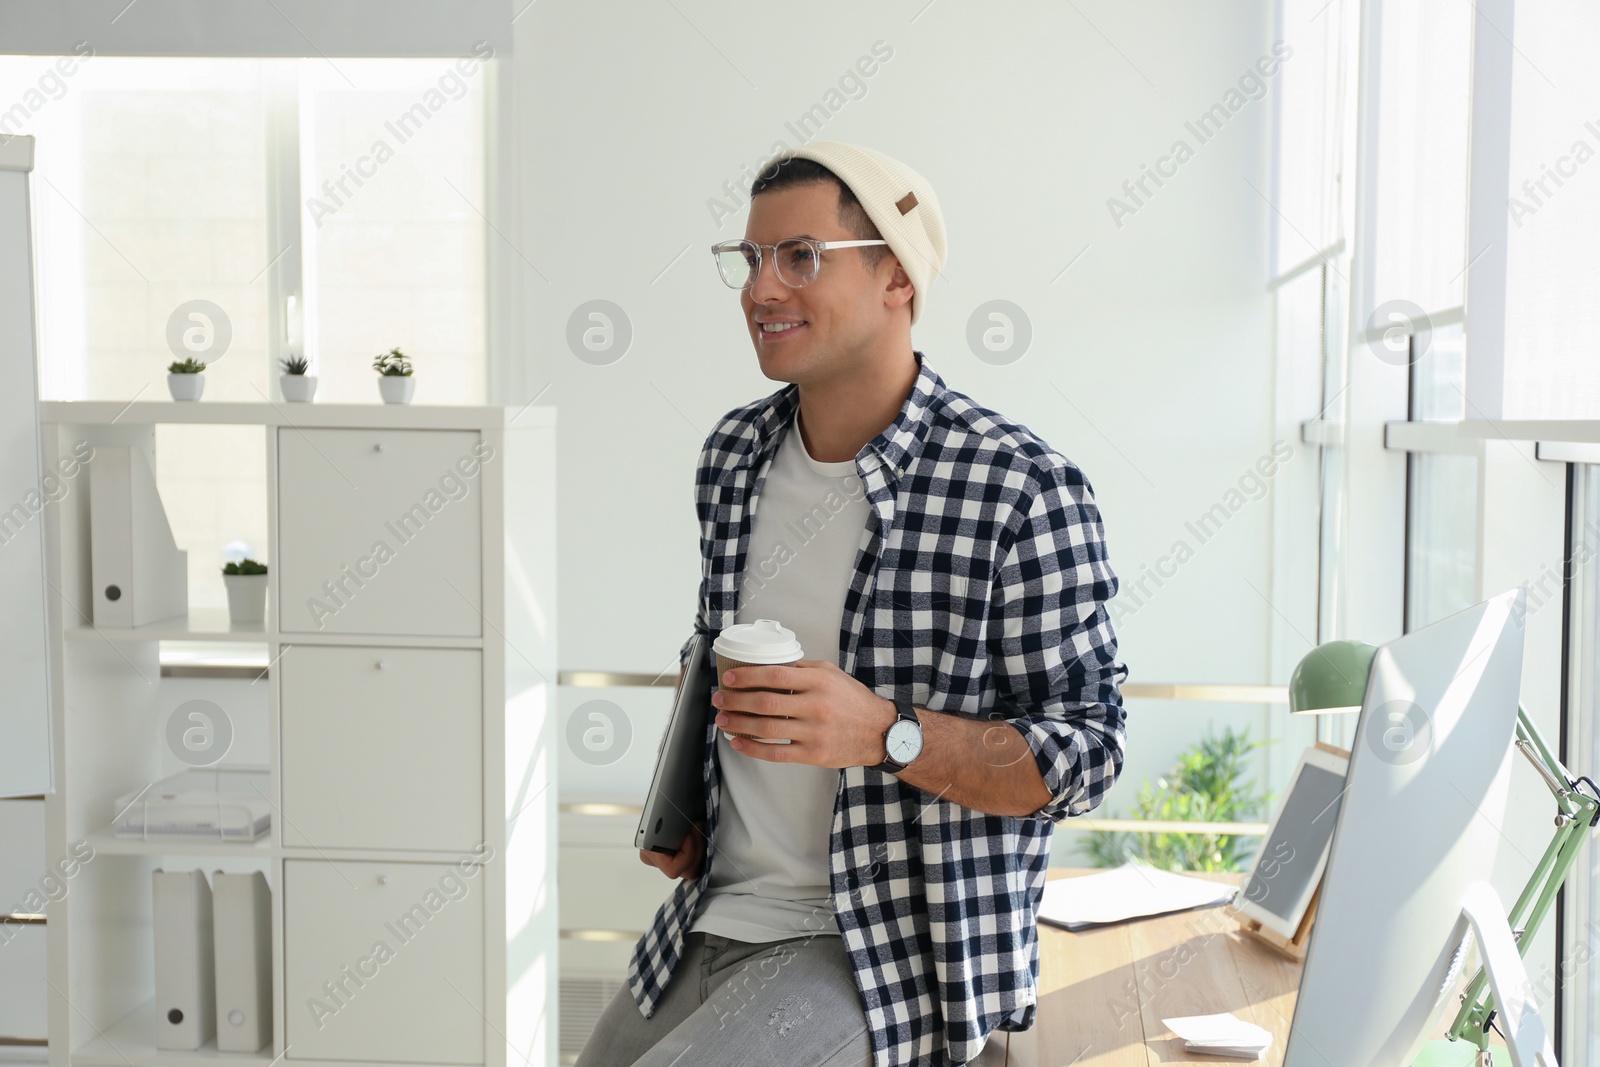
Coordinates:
1221 1035
1132 891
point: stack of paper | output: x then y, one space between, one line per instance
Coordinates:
211 804
1132 891
1221 1035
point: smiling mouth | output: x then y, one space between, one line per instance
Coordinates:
771 331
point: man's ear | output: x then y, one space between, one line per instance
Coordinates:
899 291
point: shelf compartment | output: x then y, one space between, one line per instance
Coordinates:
131 1042
106 843
200 624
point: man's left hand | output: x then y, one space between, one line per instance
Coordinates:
832 720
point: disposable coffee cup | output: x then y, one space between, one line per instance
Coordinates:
762 643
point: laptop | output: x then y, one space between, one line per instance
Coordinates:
676 797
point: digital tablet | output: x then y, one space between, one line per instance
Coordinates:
676 798
1289 866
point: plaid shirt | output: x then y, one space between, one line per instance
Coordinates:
980 589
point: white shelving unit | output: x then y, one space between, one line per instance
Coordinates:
411 733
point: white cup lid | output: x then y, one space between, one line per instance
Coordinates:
762 641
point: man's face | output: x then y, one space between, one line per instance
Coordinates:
836 317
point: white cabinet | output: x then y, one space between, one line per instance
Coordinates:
380 531
386 962
407 715
22 972
382 747
26 887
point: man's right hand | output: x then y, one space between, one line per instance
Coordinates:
686 862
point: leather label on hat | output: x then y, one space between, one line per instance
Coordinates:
906 203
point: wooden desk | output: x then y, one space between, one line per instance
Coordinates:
1103 993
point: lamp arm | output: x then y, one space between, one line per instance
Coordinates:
1544 761
1576 814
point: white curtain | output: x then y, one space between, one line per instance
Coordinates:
1551 368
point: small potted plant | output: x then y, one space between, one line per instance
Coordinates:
247 590
297 385
183 379
394 377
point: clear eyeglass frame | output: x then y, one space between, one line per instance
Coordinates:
730 268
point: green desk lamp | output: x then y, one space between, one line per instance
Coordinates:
1332 678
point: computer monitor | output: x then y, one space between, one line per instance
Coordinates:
1415 841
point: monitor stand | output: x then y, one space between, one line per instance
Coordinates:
1527 1039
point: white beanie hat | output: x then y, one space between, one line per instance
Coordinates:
898 200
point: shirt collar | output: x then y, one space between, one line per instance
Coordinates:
897 445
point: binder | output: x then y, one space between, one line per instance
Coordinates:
242 921
185 964
139 573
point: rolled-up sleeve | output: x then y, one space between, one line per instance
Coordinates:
1052 648
705 473
683 650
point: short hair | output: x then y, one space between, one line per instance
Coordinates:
852 216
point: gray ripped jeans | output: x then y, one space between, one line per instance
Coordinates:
730 1003
789 1003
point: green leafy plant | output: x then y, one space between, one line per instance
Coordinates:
187 366
295 365
392 364
245 566
1207 784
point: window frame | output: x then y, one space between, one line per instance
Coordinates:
1576 904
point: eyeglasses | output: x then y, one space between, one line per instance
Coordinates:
795 260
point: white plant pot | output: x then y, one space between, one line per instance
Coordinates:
299 388
247 597
396 388
185 386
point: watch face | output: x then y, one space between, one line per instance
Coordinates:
904 741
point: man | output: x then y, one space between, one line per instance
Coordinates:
867 893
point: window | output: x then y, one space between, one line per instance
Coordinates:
1421 196
149 194
1552 259
1311 198
1582 942
1438 374
1441 489
1441 536
1310 130
1297 493
160 182
1311 265
241 210
396 243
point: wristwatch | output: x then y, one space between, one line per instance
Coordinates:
902 741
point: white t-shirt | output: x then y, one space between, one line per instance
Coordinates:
769 877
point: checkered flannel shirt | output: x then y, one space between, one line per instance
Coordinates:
980 589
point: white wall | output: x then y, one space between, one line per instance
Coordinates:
1026 118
